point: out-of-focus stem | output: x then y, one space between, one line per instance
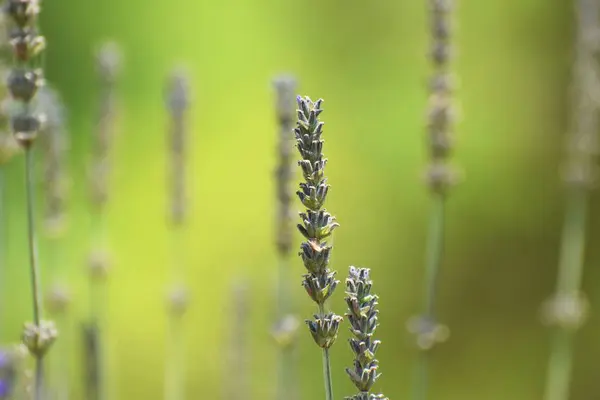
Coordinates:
175 356
569 283
435 250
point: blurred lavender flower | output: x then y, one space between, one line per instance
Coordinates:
9 367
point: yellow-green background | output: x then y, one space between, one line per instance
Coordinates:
366 59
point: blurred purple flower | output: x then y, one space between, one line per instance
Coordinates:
7 374
4 389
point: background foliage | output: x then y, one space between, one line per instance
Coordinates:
366 59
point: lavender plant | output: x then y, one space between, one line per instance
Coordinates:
317 225
12 382
362 316
54 141
108 62
8 374
177 102
286 325
567 310
440 177
26 122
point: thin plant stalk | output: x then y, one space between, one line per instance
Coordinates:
34 272
317 226
175 356
59 374
54 144
99 381
440 177
286 326
95 351
174 372
177 102
569 283
433 261
285 333
566 311
237 342
327 379
435 252
25 78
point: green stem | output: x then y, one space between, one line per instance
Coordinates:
433 261
560 366
97 380
33 264
326 365
174 382
435 251
175 358
573 242
286 388
58 376
421 376
569 282
61 359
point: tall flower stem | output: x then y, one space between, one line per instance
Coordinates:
567 292
566 310
34 273
433 261
317 225
177 304
435 252
177 99
26 121
440 177
286 325
100 380
54 145
326 365
237 353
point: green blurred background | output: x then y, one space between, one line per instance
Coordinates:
367 60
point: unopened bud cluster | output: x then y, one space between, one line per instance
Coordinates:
39 338
25 79
362 316
317 224
440 175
